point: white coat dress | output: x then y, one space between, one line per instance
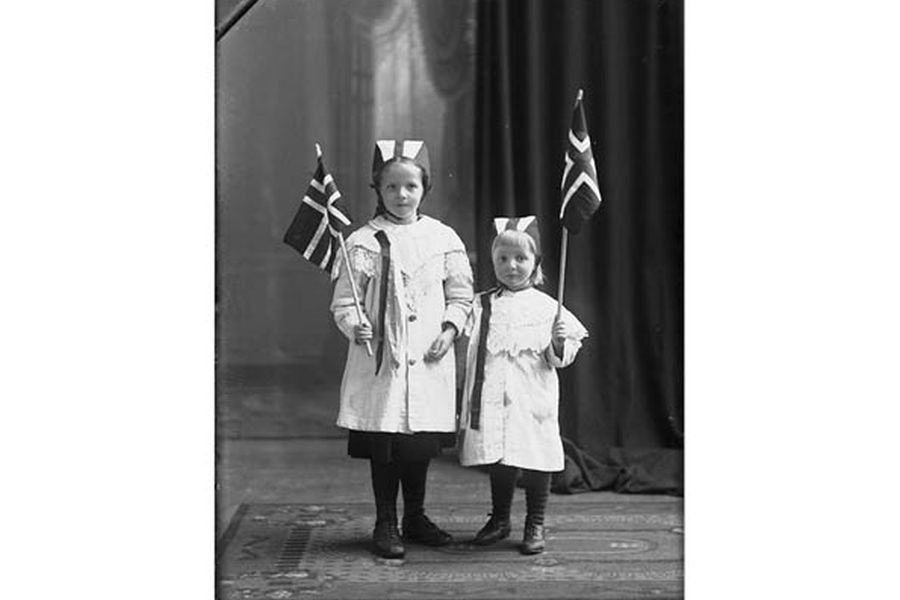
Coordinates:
519 422
429 283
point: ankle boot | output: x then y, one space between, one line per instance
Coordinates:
496 529
503 486
537 491
533 540
385 537
422 530
416 526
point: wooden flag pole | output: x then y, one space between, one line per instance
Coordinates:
359 312
350 276
562 271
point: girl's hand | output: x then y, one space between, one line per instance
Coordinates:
559 336
441 345
362 333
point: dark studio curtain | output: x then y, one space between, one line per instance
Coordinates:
621 409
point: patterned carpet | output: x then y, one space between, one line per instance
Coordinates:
597 550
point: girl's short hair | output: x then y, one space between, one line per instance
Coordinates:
376 180
512 237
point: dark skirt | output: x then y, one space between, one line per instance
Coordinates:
398 447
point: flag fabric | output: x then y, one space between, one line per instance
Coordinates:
580 192
318 223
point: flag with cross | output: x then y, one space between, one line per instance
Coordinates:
317 231
318 225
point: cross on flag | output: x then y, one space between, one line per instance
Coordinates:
316 227
580 192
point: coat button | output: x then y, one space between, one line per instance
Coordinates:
412 318
411 361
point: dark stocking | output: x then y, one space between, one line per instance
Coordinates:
413 475
537 491
503 485
385 481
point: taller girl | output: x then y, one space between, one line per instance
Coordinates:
415 281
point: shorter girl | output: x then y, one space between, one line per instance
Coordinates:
509 416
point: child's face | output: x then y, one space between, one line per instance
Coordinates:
401 190
513 265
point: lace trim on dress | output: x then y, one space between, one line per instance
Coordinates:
362 260
518 327
456 263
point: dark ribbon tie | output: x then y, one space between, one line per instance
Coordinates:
385 244
475 408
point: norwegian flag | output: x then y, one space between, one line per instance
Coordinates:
580 192
316 227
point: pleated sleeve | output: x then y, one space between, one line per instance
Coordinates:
572 344
458 290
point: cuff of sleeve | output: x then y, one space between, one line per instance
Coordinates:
553 358
456 316
346 320
570 350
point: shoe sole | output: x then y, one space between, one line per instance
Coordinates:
378 553
490 542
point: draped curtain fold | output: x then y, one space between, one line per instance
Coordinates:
622 400
448 35
448 29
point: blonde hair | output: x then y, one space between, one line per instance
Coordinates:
520 239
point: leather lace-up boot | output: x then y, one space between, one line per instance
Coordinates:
385 537
503 486
416 526
537 492
496 529
421 529
533 540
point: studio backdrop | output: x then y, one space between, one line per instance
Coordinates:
490 85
